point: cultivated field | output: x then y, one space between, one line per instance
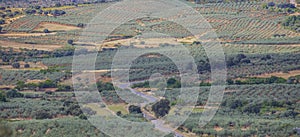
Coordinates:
260 40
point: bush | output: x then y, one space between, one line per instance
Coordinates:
2 97
134 109
5 58
57 12
70 42
161 108
16 65
26 66
105 86
47 84
72 108
271 4
13 94
46 31
82 116
81 25
173 83
2 21
64 88
42 114
57 5
286 5
20 85
291 22
119 113
141 85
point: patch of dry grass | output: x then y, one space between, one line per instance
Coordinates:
279 74
17 46
54 27
118 107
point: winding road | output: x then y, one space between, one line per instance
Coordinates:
159 124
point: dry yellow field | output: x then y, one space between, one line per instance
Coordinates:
54 27
280 74
20 34
17 46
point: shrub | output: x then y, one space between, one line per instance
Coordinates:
13 94
286 5
134 109
2 21
173 83
161 108
70 42
2 98
81 25
82 116
16 65
64 88
119 113
26 66
42 114
47 84
57 5
291 22
105 86
271 4
46 31
5 58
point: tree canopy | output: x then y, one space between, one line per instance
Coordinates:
161 108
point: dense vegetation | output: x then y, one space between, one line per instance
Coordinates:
39 107
36 97
45 3
161 108
249 110
64 126
292 22
281 7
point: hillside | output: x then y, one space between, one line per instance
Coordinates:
50 85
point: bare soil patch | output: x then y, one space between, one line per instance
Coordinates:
279 74
17 45
23 34
217 128
52 26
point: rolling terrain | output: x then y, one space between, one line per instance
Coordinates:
39 39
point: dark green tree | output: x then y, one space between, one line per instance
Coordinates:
2 97
47 84
134 109
42 114
26 65
16 65
5 58
161 108
70 42
20 85
13 94
81 25
46 31
119 113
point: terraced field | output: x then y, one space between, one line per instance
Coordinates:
232 21
38 85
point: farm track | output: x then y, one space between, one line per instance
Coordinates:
17 46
